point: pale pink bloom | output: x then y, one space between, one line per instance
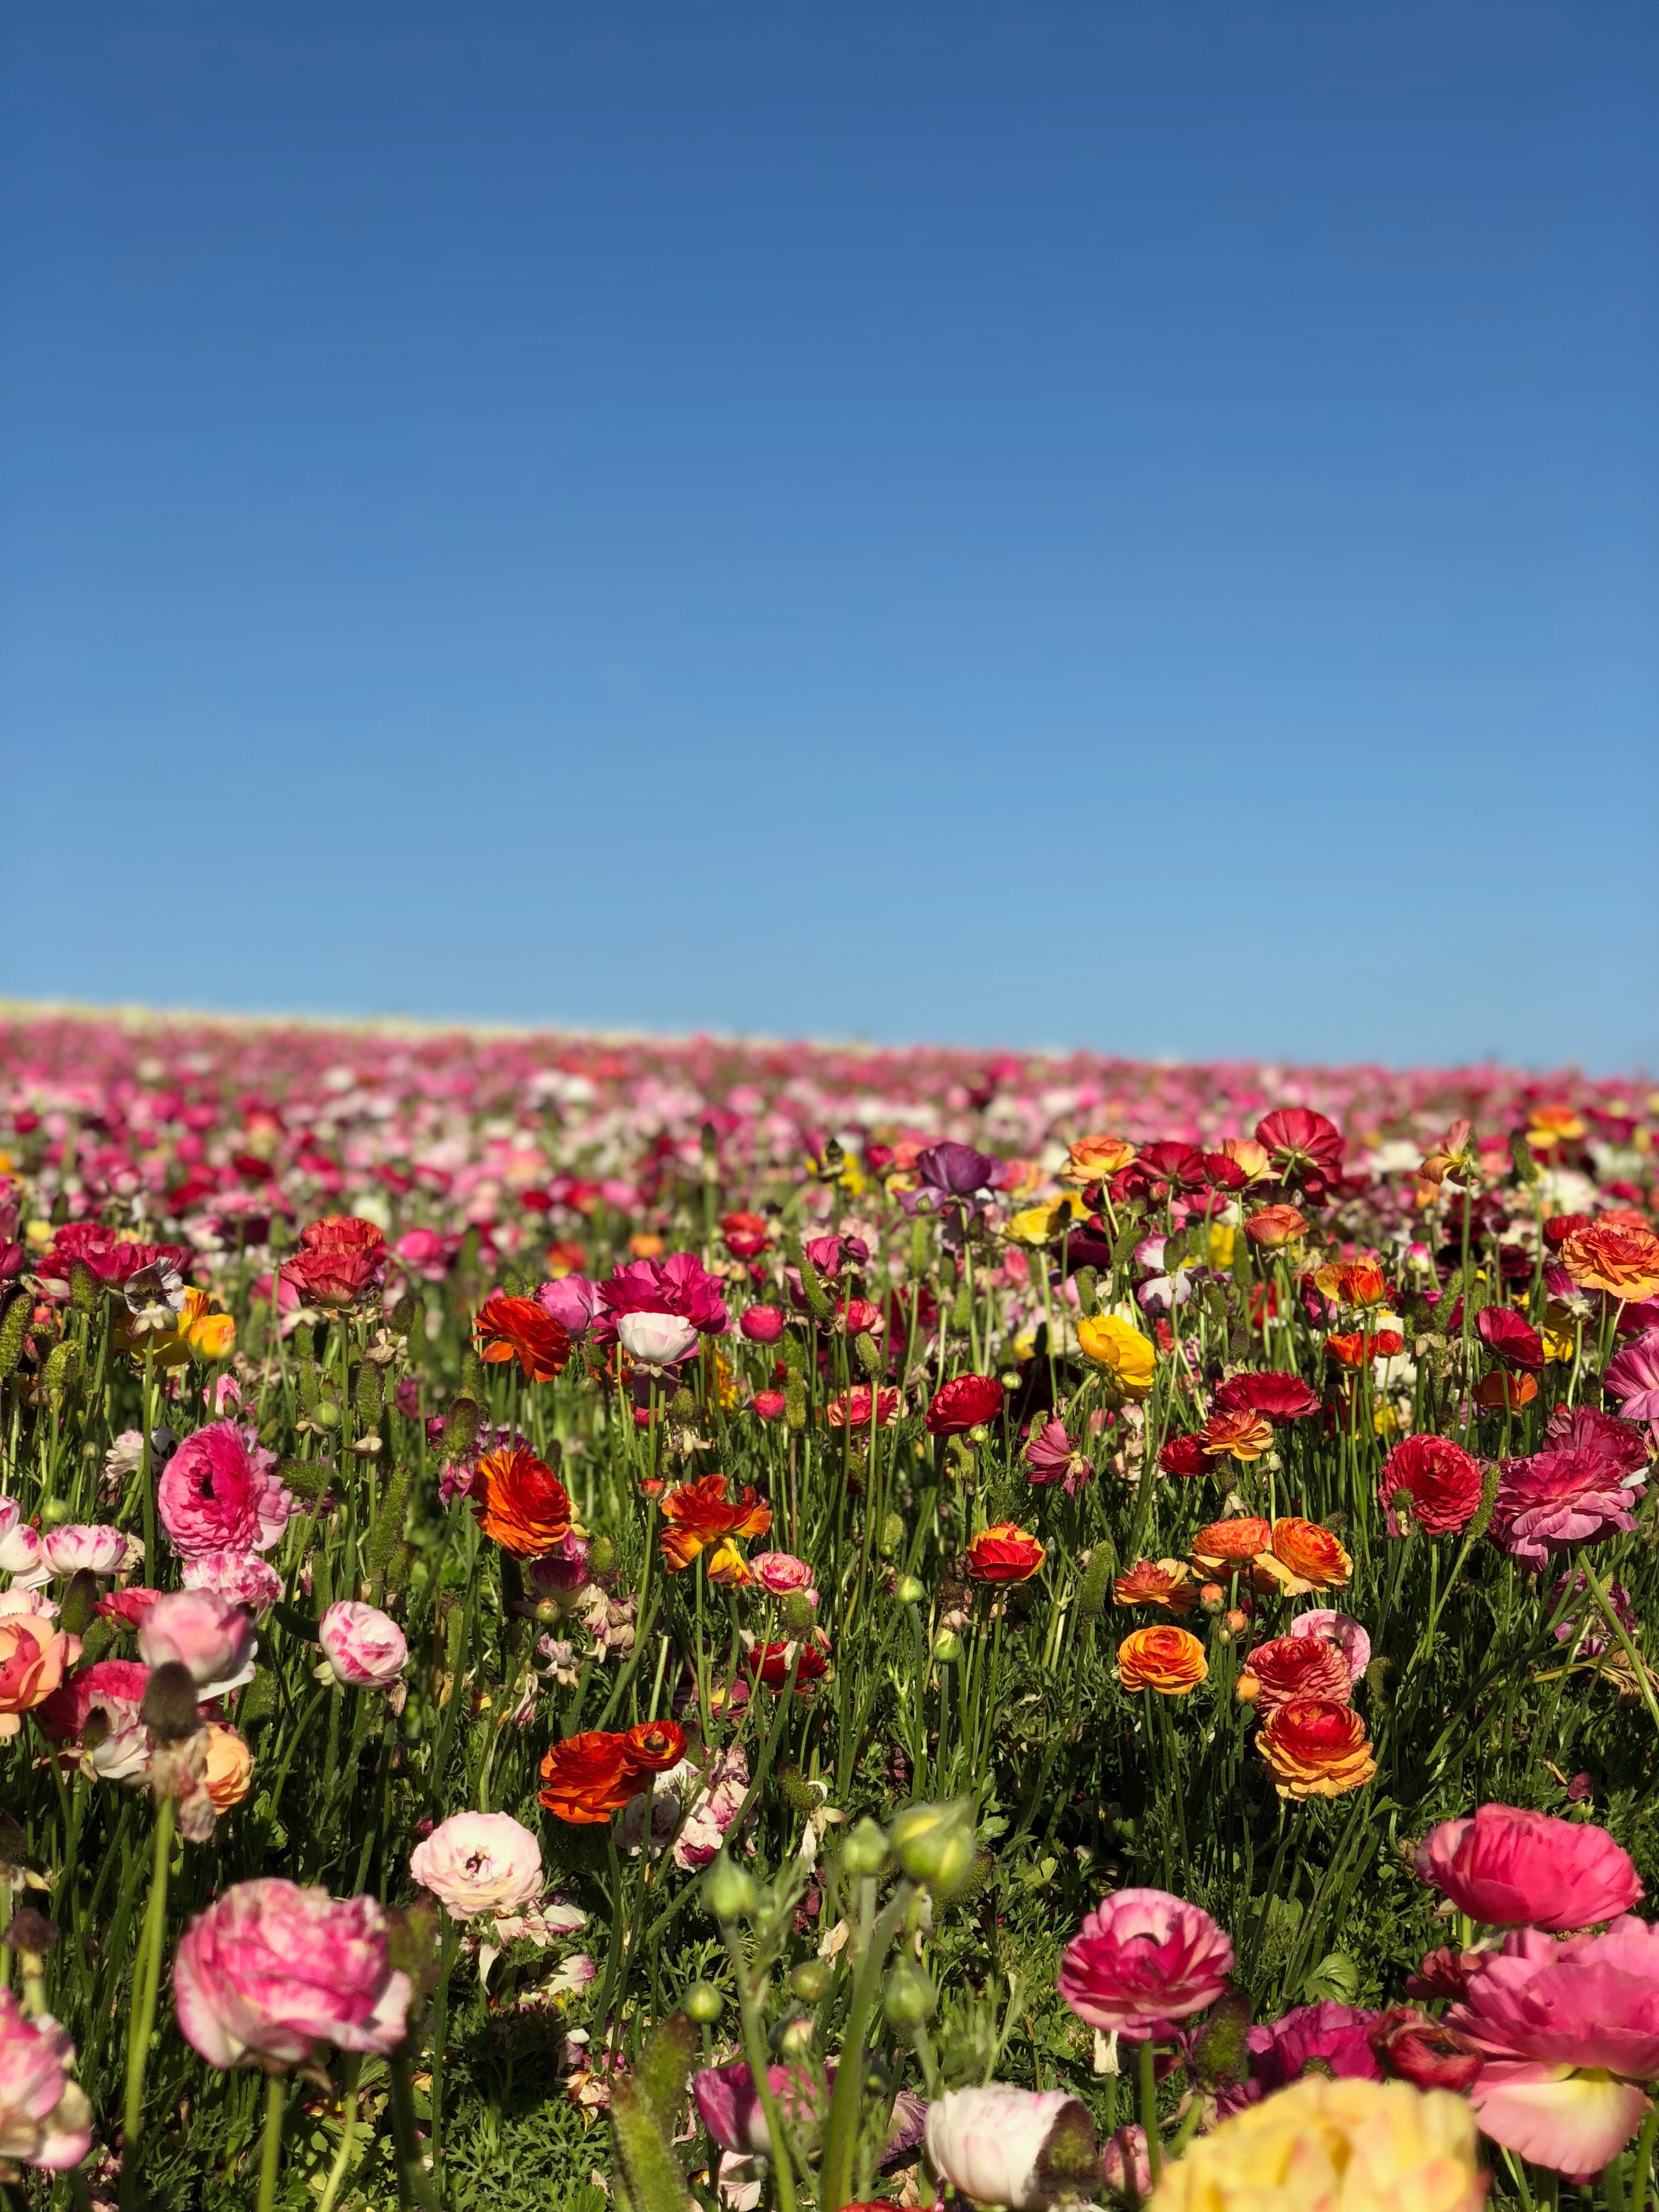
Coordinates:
364 1646
21 1599
542 1923
1018 2148
113 1689
272 1975
102 1551
242 1576
714 1806
1504 1866
654 1340
1570 2030
574 1974
203 1632
1124 2165
1142 1960
1341 1630
218 1492
44 2118
22 1554
476 1862
779 1573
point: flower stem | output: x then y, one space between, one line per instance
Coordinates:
1148 2107
1642 2171
342 2165
146 1984
271 2154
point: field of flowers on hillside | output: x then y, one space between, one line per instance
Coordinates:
695 1625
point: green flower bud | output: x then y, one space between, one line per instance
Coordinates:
327 1414
892 1535
864 1852
728 1892
810 1979
1221 2053
910 1997
601 1555
795 2039
798 1616
703 2003
936 1843
947 1648
911 1591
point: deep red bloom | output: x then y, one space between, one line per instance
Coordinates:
1185 1455
1275 1397
1510 1336
769 1664
1423 2051
1305 1146
1441 1479
1004 1553
963 1403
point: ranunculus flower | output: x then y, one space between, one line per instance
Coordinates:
1024 2149
779 1573
1004 1553
585 1778
113 1689
1171 1661
1274 1226
964 1403
203 1632
273 1975
1125 2167
1441 1479
22 1554
1142 1960
1316 1747
1157 1582
762 1324
33 1657
1632 1376
1304 1556
227 1766
1506 1866
1243 1435
1341 1630
728 2103
1569 2031
1328 2038
1276 1397
478 1862
745 1234
852 1408
1051 1456
769 1664
1330 2146
956 1171
44 2118
1119 1348
1424 2051
1092 1159
1510 1336
99 1550
680 1284
696 1515
656 1341
242 1576
522 1329
218 1492
1301 1145
520 1503
1225 1544
770 1405
1286 1668
569 1300
339 1259
1622 1261
1351 1282
1558 1497
365 1647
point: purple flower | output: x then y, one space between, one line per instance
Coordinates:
955 1170
1051 1456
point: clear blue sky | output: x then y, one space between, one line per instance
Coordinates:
1133 527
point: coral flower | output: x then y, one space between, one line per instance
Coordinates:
1171 1661
964 1403
1441 1480
520 1504
1276 1397
1305 1557
1121 1350
1242 1435
1142 1960
1092 1159
853 1408
587 1778
1157 1582
1228 1544
33 1657
698 1514
1317 1747
518 1328
745 1234
1271 1227
1356 1348
652 1746
1004 1553
1504 1866
1622 1261
1287 1668
339 1259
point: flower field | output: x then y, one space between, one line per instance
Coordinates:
599 1622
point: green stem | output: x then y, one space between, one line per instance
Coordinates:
1641 2172
842 2129
147 1975
342 2165
1148 2107
270 2155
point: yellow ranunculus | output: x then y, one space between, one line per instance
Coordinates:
1333 2146
1041 1224
1221 1246
1118 1346
213 1336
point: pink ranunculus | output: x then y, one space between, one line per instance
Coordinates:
1326 2039
129 1607
219 1492
68 1549
1339 1629
242 1576
203 1632
1025 2148
680 1286
1504 1866
1142 1960
1569 2031
22 1554
423 1252
1125 2167
478 1862
1051 1456
781 1572
561 1573
113 1689
272 1975
44 2118
762 1324
1632 1377
656 1341
364 1646
1587 1428
728 2103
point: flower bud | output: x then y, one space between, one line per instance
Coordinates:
31 1935
1247 1689
1220 2049
911 1591
910 1997
169 1706
947 1648
810 1979
1211 1597
795 2039
936 1843
601 1555
703 2003
728 1892
1235 1622
864 1852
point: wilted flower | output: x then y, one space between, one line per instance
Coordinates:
1051 1456
1327 2037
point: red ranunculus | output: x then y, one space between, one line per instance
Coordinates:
1275 1397
1441 1482
1510 1336
963 1403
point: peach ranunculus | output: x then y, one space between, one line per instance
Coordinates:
1171 1661
1316 1747
1241 1435
520 1502
1271 1227
33 1657
1288 1668
1305 1557
1624 1261
1157 1582
1225 1544
695 1514
1092 1159
1325 2145
227 1774
1118 1347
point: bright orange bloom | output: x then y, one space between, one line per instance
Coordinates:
1272 1226
697 1514
1171 1661
518 1329
1305 1557
1622 1261
520 1502
1351 1282
655 1746
1004 1553
1227 1544
1498 1389
1552 1125
1355 1348
1092 1159
1156 1581
1241 1435
1316 1747
588 1778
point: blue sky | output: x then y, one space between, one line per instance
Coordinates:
1069 524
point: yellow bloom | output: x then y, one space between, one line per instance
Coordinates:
196 1331
1221 1246
1118 1346
1040 1225
1333 2146
1559 1335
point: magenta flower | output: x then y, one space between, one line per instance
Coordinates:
1142 1960
218 1493
728 2103
1504 1866
762 1324
272 1975
571 1300
1051 1456
680 1286
1632 1377
1565 1497
1329 2038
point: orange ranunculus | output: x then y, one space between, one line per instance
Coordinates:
228 1773
33 1657
1272 1226
1552 1125
1497 1389
1092 1159
518 1329
697 1514
652 1746
1622 1261
588 1778
1171 1661
1004 1553
1157 1582
1351 1282
1305 1557
1356 1348
1241 1435
1316 1747
1227 1544
520 1502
